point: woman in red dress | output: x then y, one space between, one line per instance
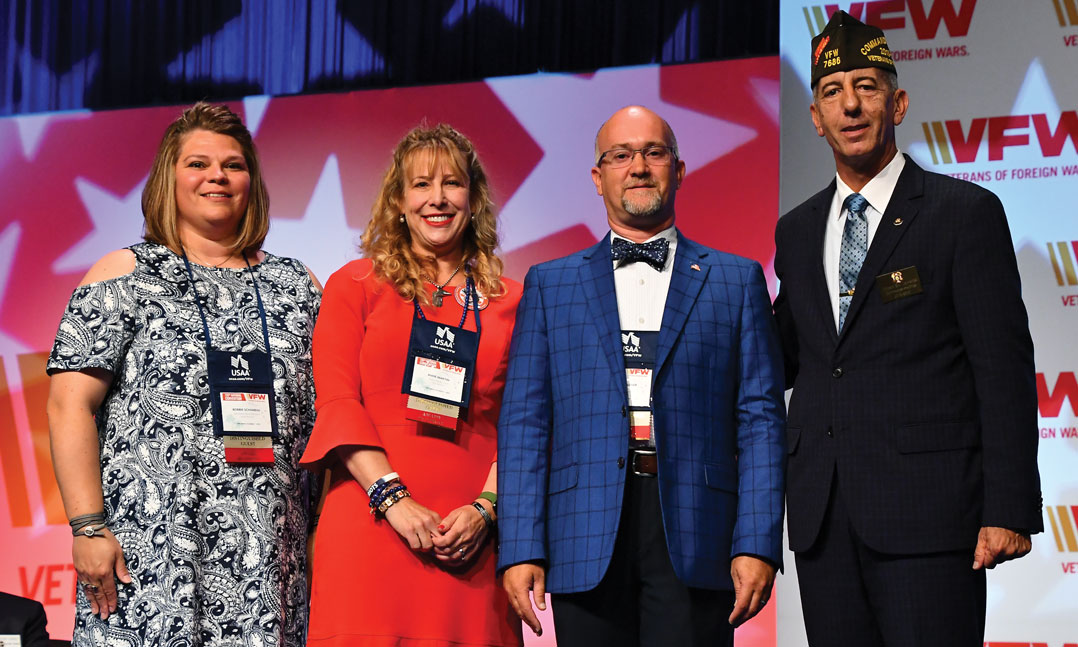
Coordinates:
403 555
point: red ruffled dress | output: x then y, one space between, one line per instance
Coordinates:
369 587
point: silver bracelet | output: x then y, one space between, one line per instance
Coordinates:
90 530
483 511
82 520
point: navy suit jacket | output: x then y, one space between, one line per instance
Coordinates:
25 618
925 407
717 400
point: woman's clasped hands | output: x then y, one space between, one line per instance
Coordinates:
453 540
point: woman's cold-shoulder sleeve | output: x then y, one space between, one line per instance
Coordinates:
96 328
341 419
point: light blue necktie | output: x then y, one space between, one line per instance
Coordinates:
854 249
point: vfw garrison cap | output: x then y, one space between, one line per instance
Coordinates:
846 44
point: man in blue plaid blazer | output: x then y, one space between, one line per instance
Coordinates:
913 421
643 489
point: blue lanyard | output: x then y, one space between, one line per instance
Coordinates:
469 297
258 297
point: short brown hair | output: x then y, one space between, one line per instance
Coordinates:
159 195
388 242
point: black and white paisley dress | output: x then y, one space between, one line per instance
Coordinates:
217 552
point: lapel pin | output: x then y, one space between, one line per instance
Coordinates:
898 221
695 267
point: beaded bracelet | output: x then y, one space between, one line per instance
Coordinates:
391 500
391 491
394 497
380 497
379 491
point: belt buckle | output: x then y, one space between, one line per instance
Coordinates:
632 464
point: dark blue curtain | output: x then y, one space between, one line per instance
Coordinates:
72 54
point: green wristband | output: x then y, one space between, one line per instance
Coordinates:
492 497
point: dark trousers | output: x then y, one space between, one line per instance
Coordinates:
640 600
853 596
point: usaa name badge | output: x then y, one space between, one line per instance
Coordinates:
638 348
438 374
244 410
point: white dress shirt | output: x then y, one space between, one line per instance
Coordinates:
642 289
878 193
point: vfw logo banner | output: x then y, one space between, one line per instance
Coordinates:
926 16
1050 400
950 142
1064 257
1066 12
1064 522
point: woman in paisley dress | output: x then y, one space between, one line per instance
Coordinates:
175 545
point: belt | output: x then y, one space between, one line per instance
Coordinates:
644 462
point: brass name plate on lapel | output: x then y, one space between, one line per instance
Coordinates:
899 284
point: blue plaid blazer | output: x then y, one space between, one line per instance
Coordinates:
719 420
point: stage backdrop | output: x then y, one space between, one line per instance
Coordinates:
71 185
993 98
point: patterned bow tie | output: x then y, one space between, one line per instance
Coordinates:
652 252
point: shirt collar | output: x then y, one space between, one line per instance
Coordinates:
670 233
879 189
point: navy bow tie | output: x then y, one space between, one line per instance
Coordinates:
652 252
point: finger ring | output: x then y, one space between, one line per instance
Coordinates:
92 588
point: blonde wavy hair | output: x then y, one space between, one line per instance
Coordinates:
388 242
159 195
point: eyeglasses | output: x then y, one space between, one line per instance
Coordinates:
653 156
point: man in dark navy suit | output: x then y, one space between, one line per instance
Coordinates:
912 432
640 454
24 618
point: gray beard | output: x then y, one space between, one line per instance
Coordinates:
647 209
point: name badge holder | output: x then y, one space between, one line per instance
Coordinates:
441 365
242 402
639 348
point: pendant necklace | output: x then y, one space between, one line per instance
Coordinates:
439 290
217 266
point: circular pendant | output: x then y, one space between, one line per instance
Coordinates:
459 293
